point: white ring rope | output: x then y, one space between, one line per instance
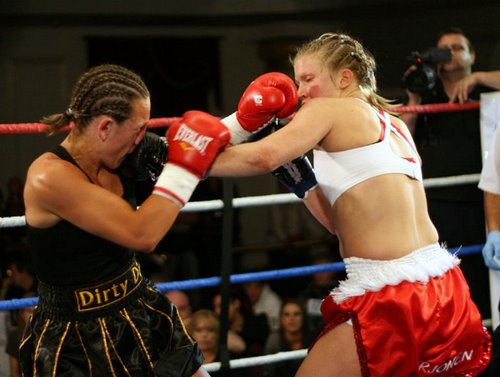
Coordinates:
247 201
262 200
452 181
12 222
258 360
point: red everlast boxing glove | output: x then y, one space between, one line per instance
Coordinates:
269 96
194 141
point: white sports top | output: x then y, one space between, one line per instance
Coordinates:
337 172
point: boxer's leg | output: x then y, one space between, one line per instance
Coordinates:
333 355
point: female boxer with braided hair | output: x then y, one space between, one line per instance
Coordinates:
97 315
405 308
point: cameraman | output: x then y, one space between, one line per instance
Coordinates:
456 82
449 145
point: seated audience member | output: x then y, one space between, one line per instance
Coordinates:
291 336
318 288
20 318
181 300
205 329
20 282
248 331
264 301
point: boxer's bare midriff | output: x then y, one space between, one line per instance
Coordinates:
383 218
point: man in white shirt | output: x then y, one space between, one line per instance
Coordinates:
264 300
490 184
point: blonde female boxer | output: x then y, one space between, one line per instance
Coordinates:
405 308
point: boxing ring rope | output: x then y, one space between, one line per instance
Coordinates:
35 128
252 201
258 360
438 107
264 200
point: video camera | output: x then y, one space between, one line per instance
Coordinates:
424 77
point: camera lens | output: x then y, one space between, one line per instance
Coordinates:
420 80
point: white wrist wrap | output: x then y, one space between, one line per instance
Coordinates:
238 133
176 183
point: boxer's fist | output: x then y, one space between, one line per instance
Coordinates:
271 95
194 142
297 175
147 160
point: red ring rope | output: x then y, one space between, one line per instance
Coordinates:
438 107
34 128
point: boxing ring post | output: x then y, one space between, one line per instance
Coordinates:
226 269
490 119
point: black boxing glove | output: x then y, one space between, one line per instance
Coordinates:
147 160
297 175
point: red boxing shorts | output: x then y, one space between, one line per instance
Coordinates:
412 316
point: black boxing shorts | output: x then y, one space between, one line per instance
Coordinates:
120 327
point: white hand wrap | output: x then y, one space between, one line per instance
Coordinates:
176 183
238 133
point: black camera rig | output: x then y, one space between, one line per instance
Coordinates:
424 77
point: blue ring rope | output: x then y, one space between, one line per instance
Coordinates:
239 278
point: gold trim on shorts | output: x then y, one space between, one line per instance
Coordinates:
108 293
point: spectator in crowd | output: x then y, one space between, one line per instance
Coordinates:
20 319
181 300
264 301
21 282
20 273
292 335
205 328
248 331
449 145
318 288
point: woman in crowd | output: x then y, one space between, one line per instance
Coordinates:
292 335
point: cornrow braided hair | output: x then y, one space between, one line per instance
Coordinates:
337 51
102 90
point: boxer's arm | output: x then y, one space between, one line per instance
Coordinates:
317 203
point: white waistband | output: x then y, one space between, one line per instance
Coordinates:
373 275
